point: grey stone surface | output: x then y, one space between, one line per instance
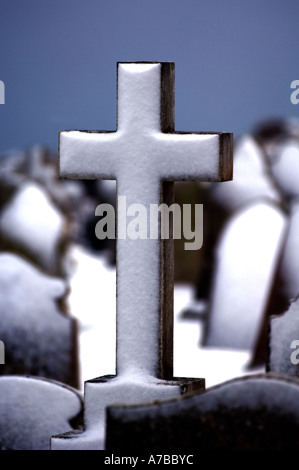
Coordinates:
256 412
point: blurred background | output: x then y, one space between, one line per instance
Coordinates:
234 62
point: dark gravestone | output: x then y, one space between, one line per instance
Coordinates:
32 410
256 412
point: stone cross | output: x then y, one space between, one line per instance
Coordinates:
145 155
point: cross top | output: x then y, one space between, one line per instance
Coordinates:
145 155
138 99
145 123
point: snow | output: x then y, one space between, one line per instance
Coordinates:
32 410
32 221
247 258
251 180
214 364
92 302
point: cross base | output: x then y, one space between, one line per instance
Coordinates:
107 390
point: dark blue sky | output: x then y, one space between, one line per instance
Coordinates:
235 61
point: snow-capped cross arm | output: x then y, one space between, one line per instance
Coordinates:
145 139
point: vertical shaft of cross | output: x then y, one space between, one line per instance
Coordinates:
137 304
145 346
144 327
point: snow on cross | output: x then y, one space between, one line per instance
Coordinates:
145 155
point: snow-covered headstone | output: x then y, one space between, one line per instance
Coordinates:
41 167
246 262
145 155
252 180
33 409
31 225
284 341
39 337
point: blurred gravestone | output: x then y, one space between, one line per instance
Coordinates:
33 227
32 410
39 336
279 140
251 183
246 262
72 201
265 169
